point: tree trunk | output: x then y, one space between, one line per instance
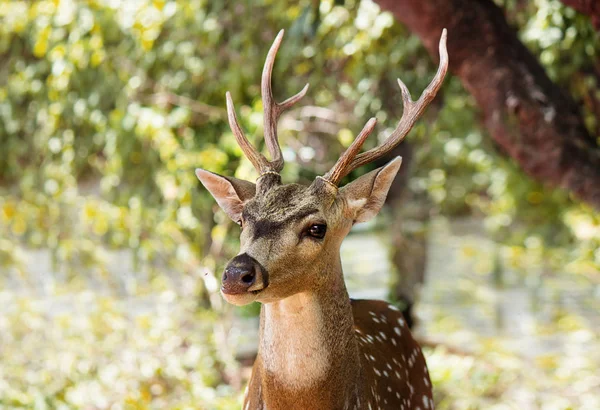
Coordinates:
531 118
409 216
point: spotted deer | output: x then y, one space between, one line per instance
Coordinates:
318 349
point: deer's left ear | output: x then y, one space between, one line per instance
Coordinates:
364 197
231 193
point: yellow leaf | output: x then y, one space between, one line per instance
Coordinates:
19 227
8 211
40 48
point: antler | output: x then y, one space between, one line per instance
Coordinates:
272 111
412 112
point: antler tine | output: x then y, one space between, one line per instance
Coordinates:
339 169
272 109
412 112
255 157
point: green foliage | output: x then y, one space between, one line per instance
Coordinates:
106 107
107 356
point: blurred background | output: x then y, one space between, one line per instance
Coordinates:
110 249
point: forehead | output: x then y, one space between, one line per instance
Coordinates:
282 203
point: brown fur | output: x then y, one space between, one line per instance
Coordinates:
318 349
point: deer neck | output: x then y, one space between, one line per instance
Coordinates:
308 353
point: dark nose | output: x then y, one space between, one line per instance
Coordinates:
243 274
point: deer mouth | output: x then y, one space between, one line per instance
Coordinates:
246 296
240 299
243 275
243 279
258 286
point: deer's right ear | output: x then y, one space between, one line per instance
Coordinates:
230 193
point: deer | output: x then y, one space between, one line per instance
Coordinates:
317 348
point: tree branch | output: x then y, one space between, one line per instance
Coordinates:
531 118
194 106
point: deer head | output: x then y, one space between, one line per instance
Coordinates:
291 234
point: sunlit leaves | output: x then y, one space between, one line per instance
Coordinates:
108 353
106 107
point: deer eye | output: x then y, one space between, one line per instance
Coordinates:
317 230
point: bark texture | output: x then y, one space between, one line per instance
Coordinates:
529 117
